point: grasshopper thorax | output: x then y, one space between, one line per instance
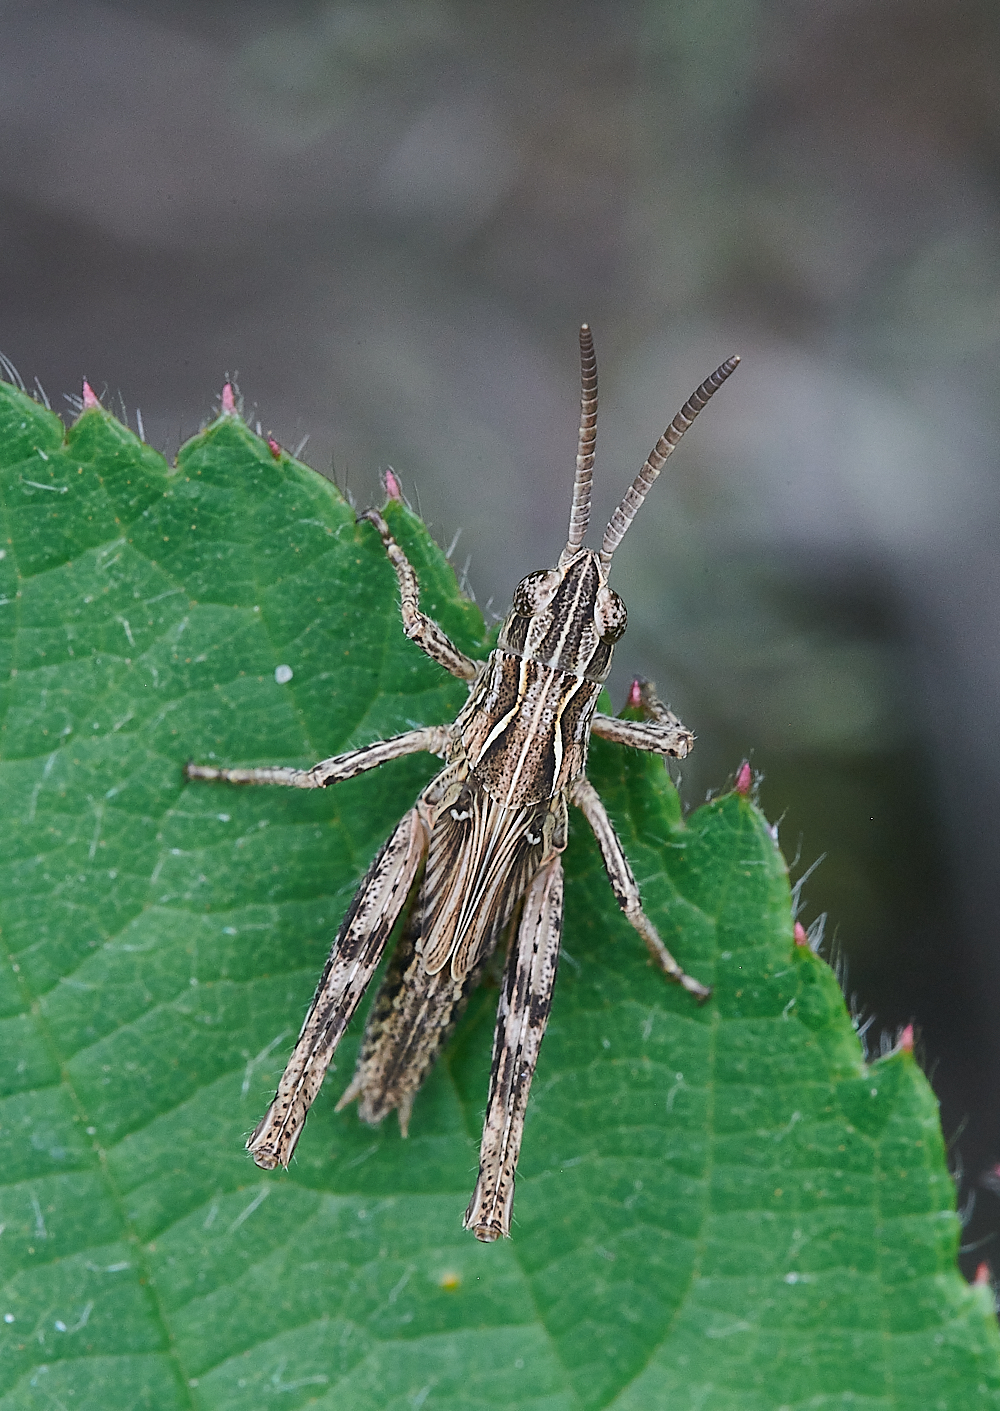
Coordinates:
566 617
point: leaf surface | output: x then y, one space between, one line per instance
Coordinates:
717 1207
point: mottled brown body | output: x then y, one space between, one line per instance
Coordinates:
481 858
488 833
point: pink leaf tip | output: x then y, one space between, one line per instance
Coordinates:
744 778
392 486
228 400
89 400
274 447
906 1039
983 1278
634 695
801 934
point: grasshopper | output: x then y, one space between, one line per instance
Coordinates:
482 844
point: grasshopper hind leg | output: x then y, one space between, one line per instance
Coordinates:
355 955
522 1015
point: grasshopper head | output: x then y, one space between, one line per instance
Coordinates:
567 617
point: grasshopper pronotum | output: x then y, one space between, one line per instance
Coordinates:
488 833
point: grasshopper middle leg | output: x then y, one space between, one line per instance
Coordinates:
434 739
623 884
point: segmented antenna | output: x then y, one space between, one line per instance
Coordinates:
579 515
639 489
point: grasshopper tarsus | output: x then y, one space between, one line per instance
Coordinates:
481 847
267 1160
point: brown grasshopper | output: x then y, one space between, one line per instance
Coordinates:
488 833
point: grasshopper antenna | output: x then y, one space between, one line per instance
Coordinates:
579 515
640 487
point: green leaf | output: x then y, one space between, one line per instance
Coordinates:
718 1207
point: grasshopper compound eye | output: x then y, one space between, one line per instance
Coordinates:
534 593
610 616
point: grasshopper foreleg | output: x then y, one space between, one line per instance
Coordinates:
660 733
417 625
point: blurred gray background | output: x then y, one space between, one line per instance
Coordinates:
388 219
